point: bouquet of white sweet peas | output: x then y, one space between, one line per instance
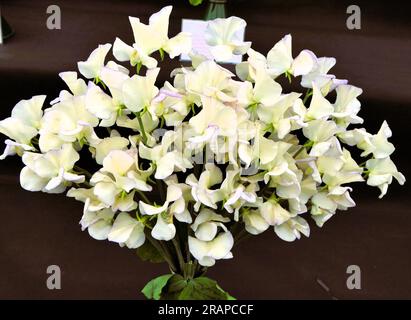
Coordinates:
183 171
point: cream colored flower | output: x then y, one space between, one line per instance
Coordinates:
223 38
254 222
208 245
292 229
116 182
381 172
166 161
50 172
378 144
209 79
22 126
91 68
201 189
106 145
97 223
67 121
150 38
273 213
139 91
320 77
127 231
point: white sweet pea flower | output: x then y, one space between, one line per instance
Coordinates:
354 137
50 172
91 68
320 107
209 79
106 145
173 194
77 86
127 231
282 115
207 245
101 105
154 36
206 224
381 172
338 170
280 60
91 202
139 91
207 252
223 38
166 161
322 208
281 172
215 119
292 229
265 91
116 182
179 207
247 70
98 223
260 149
67 121
124 52
377 144
173 105
320 133
319 75
164 228
324 205
22 126
201 191
235 194
150 38
254 222
273 213
13 148
347 105
114 80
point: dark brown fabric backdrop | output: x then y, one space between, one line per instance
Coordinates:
37 230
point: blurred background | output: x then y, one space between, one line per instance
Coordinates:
38 230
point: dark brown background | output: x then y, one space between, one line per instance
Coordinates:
37 230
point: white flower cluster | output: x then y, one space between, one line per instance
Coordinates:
214 152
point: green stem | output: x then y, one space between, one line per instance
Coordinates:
307 95
160 248
143 197
179 254
298 152
82 171
142 130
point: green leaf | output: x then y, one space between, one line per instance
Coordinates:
154 288
147 252
196 2
174 287
228 296
202 288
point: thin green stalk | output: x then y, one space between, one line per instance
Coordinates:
298 152
142 130
188 254
179 254
307 95
82 171
164 253
143 197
